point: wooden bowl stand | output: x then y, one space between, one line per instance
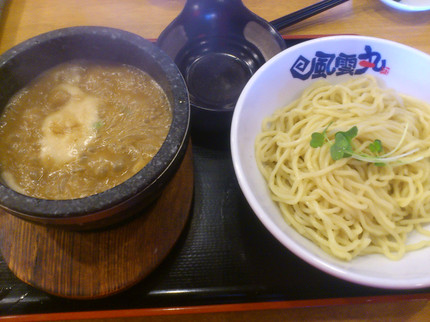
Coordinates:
95 264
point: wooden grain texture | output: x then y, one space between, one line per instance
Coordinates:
26 18
98 263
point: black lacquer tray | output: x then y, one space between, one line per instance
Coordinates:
223 256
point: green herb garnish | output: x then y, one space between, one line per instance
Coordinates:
97 125
375 146
343 147
317 139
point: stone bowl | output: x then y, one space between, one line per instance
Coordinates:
21 64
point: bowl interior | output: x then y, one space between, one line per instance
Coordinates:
21 64
272 87
217 57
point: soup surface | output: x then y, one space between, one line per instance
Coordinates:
81 128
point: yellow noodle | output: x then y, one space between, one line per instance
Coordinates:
350 207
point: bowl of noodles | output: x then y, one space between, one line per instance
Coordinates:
330 143
94 123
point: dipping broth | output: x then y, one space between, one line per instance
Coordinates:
80 129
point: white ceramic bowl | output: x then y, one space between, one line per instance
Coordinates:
273 86
409 5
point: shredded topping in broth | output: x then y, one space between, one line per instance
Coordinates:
80 129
